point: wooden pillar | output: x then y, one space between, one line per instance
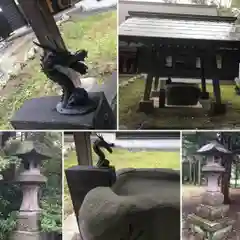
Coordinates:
217 91
148 87
49 2
42 23
190 170
204 94
146 105
217 107
162 94
83 148
156 83
199 171
155 92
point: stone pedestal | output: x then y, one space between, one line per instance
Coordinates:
41 113
217 229
27 228
28 218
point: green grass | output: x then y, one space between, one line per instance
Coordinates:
235 3
125 159
96 34
130 95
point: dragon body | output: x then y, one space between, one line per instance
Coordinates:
97 145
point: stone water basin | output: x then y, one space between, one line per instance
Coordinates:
143 204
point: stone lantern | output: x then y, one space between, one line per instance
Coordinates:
30 180
210 220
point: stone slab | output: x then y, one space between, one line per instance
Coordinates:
210 226
222 234
40 113
28 221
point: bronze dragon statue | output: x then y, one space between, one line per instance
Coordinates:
97 145
74 99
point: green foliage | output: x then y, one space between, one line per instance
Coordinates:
51 216
9 204
7 161
51 203
192 141
7 225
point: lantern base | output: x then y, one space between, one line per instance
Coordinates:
206 229
212 198
212 212
27 226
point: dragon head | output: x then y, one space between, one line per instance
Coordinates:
104 144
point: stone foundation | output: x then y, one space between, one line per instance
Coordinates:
23 235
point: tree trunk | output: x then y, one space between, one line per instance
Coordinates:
226 179
227 161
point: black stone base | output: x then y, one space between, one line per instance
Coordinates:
204 95
82 179
217 109
162 98
41 113
146 106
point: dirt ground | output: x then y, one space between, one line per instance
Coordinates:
191 197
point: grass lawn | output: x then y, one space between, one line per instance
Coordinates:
122 158
96 34
130 95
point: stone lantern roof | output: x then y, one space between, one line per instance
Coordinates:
31 153
213 149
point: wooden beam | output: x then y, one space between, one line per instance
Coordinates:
42 23
49 3
83 148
